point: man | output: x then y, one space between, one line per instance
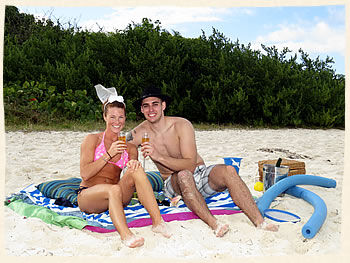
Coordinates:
172 147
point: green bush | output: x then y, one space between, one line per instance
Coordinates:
50 73
40 102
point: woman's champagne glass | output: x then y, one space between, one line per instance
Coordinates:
122 137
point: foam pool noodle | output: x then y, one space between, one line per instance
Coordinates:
313 225
320 210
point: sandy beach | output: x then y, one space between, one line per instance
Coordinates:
37 157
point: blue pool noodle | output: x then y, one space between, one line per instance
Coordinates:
320 210
317 219
281 186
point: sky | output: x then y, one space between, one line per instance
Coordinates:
317 30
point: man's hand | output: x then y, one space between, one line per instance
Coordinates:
148 149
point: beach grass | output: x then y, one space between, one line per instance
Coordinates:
64 125
76 125
99 125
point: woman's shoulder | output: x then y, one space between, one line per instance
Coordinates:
93 137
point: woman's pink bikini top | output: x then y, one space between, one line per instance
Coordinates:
101 150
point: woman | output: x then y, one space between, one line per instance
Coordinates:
102 159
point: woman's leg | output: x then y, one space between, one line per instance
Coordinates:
139 180
102 197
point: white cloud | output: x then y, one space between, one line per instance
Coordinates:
336 14
316 38
168 16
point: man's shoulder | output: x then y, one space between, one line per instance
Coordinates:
180 121
180 124
134 136
141 127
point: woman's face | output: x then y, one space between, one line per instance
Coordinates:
115 119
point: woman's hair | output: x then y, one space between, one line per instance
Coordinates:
115 104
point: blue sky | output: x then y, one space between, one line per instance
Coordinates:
318 30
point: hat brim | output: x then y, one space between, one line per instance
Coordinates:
166 98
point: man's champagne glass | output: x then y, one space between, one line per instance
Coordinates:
145 138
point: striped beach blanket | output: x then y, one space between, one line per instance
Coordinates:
66 188
136 214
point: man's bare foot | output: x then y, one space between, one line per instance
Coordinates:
134 241
268 227
221 230
163 229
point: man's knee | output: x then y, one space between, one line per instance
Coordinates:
186 183
222 176
230 170
185 177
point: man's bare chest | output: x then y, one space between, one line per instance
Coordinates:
168 145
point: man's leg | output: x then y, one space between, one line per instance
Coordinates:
225 176
183 184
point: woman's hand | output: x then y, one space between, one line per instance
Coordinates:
133 165
117 147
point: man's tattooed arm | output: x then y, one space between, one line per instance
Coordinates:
129 136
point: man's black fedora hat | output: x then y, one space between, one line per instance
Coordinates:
151 91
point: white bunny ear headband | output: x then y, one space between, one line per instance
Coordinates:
108 95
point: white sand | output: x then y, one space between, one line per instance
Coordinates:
43 156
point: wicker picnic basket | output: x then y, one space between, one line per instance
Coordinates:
295 167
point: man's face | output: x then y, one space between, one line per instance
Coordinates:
152 108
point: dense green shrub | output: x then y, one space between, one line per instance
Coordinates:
34 100
50 72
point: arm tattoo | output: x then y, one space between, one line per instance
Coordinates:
129 136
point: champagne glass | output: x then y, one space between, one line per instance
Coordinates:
122 137
145 138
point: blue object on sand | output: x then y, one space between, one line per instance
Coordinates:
281 186
234 161
288 185
317 219
281 215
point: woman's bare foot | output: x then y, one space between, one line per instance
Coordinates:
221 229
163 229
268 227
134 241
